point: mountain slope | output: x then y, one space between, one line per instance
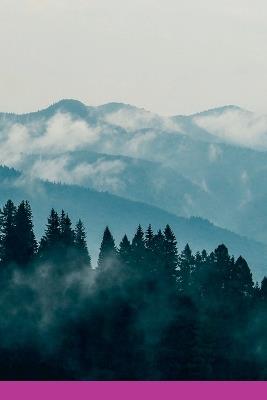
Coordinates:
98 209
184 164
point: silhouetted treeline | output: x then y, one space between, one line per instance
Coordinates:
146 312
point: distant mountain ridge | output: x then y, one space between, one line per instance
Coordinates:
186 165
98 209
72 105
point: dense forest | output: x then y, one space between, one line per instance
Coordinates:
147 311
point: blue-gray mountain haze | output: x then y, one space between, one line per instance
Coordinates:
119 165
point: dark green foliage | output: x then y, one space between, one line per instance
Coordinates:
138 250
63 246
66 231
26 245
263 290
81 245
149 237
185 269
146 312
52 236
171 252
158 259
8 234
125 251
108 251
241 282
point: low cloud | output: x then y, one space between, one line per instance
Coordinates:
100 175
237 127
215 152
135 119
64 134
139 143
60 134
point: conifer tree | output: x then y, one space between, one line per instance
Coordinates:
8 237
199 276
81 245
170 252
263 289
125 250
138 250
159 256
196 276
66 231
52 237
26 245
185 269
241 278
149 237
108 251
221 274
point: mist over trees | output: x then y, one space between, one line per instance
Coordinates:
147 311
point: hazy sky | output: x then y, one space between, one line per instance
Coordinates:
168 56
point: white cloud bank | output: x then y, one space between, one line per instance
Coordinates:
133 119
60 135
100 175
237 127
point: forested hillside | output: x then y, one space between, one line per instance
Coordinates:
146 312
98 209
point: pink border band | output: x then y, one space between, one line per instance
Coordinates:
132 390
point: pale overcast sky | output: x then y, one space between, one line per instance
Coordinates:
168 56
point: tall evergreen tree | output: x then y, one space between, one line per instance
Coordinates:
66 231
125 250
139 250
170 252
185 269
199 276
8 236
221 273
241 278
108 251
81 245
158 261
52 237
26 245
149 237
263 289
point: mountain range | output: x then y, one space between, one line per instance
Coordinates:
101 162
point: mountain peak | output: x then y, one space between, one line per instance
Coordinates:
220 110
115 106
71 106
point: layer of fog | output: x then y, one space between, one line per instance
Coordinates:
236 127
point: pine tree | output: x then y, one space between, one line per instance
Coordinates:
138 250
108 251
199 277
81 245
241 278
204 256
125 250
263 289
149 237
66 231
260 292
185 269
51 240
170 252
223 266
159 256
26 245
8 237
